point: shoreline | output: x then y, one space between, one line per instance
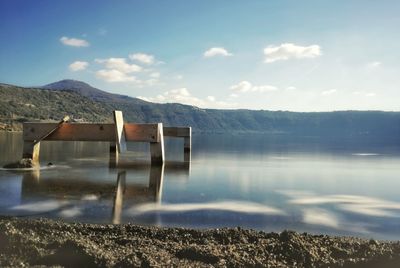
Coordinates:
29 242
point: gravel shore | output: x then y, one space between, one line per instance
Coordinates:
43 242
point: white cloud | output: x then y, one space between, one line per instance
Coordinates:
328 92
78 66
216 51
114 76
182 95
148 82
245 86
74 42
264 88
120 65
291 88
143 58
365 94
374 64
155 75
120 70
288 51
211 98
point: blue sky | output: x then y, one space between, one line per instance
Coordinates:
274 55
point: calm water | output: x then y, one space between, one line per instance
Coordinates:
271 183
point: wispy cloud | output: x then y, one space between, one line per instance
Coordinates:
288 51
155 75
328 92
245 86
121 70
114 76
216 51
182 95
365 94
120 65
78 66
143 58
74 42
374 64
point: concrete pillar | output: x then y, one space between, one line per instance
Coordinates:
157 148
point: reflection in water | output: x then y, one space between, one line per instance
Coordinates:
154 191
177 168
156 181
365 205
187 157
42 206
320 217
232 206
325 218
347 208
340 187
34 187
119 195
60 193
71 212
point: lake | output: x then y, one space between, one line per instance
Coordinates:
339 186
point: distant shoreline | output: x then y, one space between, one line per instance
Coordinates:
50 243
85 103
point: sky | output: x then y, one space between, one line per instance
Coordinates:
315 55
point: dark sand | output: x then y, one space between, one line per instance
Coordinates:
42 242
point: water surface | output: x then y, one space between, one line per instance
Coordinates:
340 186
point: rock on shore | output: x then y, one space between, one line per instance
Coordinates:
42 242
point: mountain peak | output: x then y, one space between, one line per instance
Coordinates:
87 90
68 84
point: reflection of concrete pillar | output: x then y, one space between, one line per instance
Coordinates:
187 156
31 150
118 199
156 181
157 148
114 156
186 166
30 182
187 146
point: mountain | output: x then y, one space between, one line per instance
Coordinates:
18 105
84 102
87 90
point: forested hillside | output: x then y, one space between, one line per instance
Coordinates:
74 98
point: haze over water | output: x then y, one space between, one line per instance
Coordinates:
338 186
